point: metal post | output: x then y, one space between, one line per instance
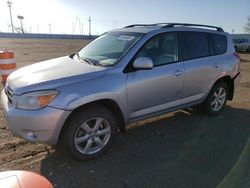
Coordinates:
21 22
89 25
9 5
73 30
49 28
80 26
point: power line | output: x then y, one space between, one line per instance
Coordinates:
78 26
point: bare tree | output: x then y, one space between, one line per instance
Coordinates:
247 27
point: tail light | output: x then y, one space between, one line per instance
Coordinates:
237 55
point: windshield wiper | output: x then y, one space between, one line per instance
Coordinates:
92 62
89 61
83 59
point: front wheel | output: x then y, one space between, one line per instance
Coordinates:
216 99
90 132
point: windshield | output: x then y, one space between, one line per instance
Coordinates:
109 48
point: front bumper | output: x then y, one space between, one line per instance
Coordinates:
35 125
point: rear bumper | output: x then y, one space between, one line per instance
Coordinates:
34 125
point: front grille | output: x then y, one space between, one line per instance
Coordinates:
9 94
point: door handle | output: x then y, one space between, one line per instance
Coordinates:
216 65
177 73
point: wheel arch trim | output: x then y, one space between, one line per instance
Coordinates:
110 104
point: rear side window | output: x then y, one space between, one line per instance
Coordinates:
195 45
219 44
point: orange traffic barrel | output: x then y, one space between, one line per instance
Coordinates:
23 179
7 64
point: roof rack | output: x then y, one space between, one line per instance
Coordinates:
140 25
166 25
196 25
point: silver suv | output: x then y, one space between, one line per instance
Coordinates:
242 45
129 74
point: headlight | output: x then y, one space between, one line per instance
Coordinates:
35 100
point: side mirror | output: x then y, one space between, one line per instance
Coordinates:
143 63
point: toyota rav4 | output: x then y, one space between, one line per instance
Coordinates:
84 100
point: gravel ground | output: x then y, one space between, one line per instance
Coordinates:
179 149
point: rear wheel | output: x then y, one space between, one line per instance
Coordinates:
216 99
90 132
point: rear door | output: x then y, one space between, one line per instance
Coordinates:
201 68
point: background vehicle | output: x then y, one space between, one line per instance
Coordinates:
235 41
124 76
242 45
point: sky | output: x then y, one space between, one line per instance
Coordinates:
71 16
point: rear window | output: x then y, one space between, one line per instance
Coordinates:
195 45
219 44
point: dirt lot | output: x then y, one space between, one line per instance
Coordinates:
181 149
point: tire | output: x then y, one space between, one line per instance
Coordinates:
236 49
248 49
213 105
90 132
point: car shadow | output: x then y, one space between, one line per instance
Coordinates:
185 149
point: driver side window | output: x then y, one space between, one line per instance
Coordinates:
162 49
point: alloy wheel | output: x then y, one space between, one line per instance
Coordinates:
92 135
218 99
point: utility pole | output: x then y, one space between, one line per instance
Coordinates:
49 28
115 24
80 26
9 5
73 30
89 20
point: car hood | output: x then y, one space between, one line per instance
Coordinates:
52 74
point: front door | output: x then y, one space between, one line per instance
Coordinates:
155 90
